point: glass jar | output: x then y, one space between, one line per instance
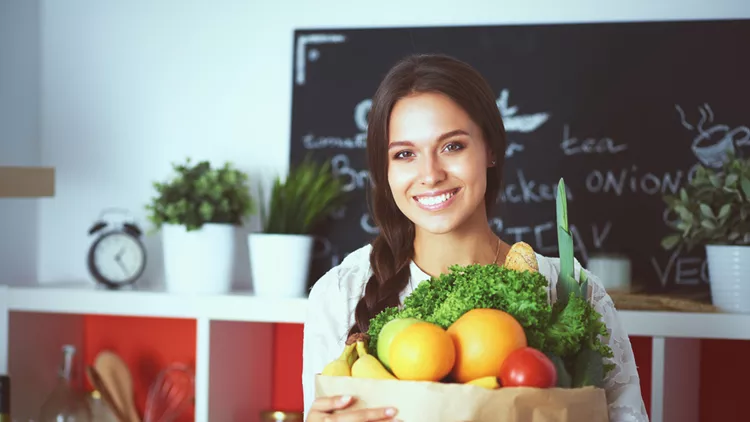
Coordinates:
100 410
66 403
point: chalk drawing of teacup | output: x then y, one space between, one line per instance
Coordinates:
711 146
740 136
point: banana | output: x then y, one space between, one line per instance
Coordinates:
342 366
367 365
489 382
521 257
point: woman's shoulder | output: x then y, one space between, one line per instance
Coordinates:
348 277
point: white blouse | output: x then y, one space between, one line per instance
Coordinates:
334 297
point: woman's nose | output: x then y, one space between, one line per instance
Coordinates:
432 171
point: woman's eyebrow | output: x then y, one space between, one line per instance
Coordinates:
440 138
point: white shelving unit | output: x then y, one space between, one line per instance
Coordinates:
234 341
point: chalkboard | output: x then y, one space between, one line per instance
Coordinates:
622 111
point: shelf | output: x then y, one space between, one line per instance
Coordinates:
86 299
687 325
27 182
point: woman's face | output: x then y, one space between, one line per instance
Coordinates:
437 162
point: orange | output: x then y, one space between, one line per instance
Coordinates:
422 352
483 339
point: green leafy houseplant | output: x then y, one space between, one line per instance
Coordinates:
309 193
713 208
200 194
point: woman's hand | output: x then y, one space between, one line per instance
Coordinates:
322 408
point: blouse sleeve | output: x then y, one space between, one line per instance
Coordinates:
622 383
325 328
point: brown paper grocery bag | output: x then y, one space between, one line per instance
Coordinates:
419 401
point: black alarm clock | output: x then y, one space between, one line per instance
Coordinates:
117 257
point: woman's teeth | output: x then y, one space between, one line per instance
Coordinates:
434 200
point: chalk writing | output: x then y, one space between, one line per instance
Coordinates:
513 123
353 179
681 270
598 236
571 145
530 191
618 182
368 224
518 123
543 237
361 111
513 147
310 141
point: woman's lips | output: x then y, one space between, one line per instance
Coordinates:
437 200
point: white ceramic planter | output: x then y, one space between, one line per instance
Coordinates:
280 264
729 275
199 261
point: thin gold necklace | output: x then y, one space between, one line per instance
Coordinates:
497 253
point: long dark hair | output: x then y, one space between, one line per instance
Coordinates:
393 248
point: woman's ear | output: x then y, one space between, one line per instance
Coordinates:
491 158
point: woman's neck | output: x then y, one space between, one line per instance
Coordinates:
476 244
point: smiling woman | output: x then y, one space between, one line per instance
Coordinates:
436 147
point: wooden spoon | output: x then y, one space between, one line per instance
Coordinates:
116 376
96 380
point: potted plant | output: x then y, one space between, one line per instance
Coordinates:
712 210
281 253
199 211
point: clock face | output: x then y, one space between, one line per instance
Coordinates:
118 258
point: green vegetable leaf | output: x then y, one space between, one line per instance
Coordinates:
564 379
589 369
566 280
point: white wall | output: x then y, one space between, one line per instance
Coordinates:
128 87
19 134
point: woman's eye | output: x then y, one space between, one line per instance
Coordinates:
453 146
402 154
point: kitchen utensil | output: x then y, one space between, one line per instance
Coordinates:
116 376
170 394
96 380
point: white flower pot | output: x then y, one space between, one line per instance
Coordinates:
199 261
280 264
729 275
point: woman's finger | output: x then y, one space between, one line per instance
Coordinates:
327 404
364 415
